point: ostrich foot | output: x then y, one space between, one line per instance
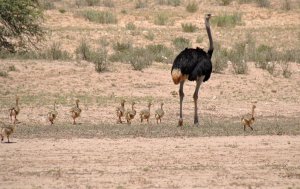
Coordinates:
196 124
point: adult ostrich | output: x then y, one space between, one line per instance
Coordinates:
194 65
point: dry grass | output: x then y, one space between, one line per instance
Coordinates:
209 127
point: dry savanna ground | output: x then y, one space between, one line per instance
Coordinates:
98 153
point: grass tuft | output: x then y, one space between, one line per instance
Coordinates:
227 20
192 7
188 27
102 17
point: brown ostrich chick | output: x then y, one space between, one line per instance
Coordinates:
247 122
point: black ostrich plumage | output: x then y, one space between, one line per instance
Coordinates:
194 63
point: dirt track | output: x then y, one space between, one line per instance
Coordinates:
215 162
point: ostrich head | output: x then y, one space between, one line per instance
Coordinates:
207 17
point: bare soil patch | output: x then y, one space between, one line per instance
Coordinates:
214 162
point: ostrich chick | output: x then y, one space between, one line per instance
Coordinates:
121 111
159 113
250 121
52 114
6 131
75 111
145 113
129 114
15 110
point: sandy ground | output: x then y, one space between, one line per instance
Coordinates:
223 96
208 162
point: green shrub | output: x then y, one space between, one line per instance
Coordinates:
122 46
227 20
62 11
161 19
188 27
149 35
181 43
3 74
139 58
160 53
101 17
238 58
263 3
141 4
122 52
56 53
245 1
46 4
130 26
99 58
92 2
225 2
104 42
84 50
12 68
286 5
108 3
286 72
199 39
219 58
174 3
264 55
192 7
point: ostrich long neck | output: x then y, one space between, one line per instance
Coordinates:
161 106
211 45
253 111
17 102
77 105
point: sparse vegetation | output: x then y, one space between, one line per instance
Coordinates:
227 20
149 35
199 39
286 5
263 3
192 7
237 56
161 19
181 43
130 26
139 58
3 74
189 27
84 50
225 2
92 2
102 17
141 4
160 53
62 10
108 3
219 58
174 3
100 59
56 53
12 68
46 4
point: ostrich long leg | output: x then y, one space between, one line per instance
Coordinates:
195 96
181 95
